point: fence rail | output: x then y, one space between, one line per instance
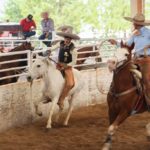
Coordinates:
105 51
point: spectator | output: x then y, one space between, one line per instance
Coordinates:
47 28
28 26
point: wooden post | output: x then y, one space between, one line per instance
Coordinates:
137 6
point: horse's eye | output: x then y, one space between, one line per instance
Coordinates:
38 66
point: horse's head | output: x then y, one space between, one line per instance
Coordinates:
120 57
27 46
39 68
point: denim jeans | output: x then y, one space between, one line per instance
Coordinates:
43 36
28 34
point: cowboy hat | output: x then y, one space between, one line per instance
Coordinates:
138 19
69 35
65 27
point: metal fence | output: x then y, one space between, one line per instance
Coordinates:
105 51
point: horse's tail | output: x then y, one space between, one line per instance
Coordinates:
100 89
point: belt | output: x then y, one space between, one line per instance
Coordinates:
140 56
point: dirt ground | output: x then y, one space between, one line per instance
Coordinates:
87 131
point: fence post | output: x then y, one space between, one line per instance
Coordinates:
29 56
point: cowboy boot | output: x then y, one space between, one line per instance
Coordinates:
63 96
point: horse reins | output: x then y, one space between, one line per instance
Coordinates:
52 60
123 93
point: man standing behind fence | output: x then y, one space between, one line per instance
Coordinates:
47 28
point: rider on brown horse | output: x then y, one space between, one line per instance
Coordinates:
66 59
141 39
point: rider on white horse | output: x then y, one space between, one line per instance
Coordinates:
66 59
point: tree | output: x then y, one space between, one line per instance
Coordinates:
100 14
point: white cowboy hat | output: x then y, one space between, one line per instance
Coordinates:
70 35
138 19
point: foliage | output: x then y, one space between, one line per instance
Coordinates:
99 14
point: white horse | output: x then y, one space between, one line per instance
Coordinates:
53 85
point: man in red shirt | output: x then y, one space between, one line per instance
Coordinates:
28 26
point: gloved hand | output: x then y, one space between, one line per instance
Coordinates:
61 66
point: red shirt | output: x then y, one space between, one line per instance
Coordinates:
26 25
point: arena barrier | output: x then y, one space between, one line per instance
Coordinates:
16 100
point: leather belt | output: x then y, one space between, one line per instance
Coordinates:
140 56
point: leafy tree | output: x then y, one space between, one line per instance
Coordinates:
99 14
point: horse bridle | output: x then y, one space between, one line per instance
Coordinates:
124 92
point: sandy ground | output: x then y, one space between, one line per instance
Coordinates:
87 130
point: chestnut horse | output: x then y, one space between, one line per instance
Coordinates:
123 98
24 46
89 52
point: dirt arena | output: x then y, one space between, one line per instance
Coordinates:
86 132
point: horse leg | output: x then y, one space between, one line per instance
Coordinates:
36 106
69 111
39 102
148 131
58 115
112 115
52 107
112 128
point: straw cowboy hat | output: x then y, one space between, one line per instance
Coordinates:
69 35
65 27
138 19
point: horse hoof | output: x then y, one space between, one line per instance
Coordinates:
106 146
65 126
46 130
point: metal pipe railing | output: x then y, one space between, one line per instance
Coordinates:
30 55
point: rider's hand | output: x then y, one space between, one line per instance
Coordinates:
60 66
48 52
136 32
112 41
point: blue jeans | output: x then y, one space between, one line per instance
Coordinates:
43 36
28 34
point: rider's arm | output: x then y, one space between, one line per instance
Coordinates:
130 41
55 47
74 57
